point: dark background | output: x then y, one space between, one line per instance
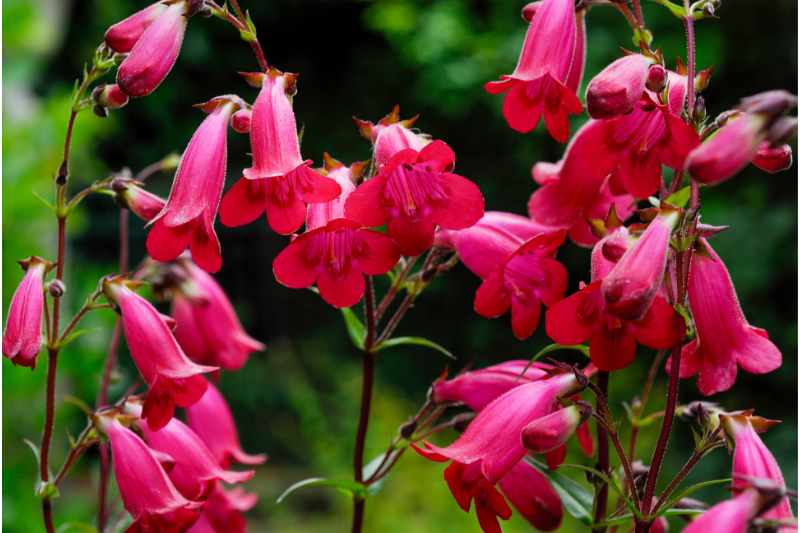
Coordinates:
298 400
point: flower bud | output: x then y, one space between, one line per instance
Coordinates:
122 36
240 121
141 203
773 160
529 10
618 87
699 111
23 335
552 431
656 78
782 130
109 96
56 288
728 150
771 103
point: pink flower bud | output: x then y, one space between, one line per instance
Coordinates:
728 151
142 203
211 419
773 160
279 182
206 324
770 103
618 87
187 220
172 377
730 516
539 84
22 338
752 459
122 36
195 471
724 338
657 78
633 283
147 493
240 121
530 492
549 432
529 10
109 96
155 52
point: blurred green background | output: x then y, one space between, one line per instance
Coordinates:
298 400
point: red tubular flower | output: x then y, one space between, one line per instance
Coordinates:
22 338
552 431
140 202
195 471
773 159
206 324
724 338
391 135
752 459
155 50
415 192
223 511
533 496
538 84
728 151
617 88
211 419
122 36
633 283
173 378
187 220
280 182
147 493
730 516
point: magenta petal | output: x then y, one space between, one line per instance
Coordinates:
243 203
292 268
364 205
464 205
533 496
344 290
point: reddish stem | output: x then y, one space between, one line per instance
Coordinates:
601 492
637 9
690 59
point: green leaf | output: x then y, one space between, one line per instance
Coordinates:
612 481
577 500
418 341
75 334
355 328
619 520
43 200
680 198
343 485
76 527
689 490
35 449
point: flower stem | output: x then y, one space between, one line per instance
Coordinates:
690 59
637 9
238 21
648 386
695 458
601 489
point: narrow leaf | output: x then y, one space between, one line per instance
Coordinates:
350 487
355 328
689 490
418 341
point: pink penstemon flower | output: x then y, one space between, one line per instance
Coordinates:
724 339
206 325
195 471
280 183
730 516
617 89
174 380
390 135
22 338
187 219
538 85
146 490
152 38
212 420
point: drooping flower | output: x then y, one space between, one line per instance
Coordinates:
22 338
552 431
633 283
187 220
157 36
206 324
752 459
147 493
223 511
773 159
280 183
139 201
538 85
211 419
195 470
415 192
172 377
618 88
724 338
532 495
730 516
391 135
728 151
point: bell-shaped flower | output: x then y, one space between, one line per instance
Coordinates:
612 340
155 50
139 201
22 338
728 150
773 159
730 516
147 493
390 135
187 220
206 324
538 85
195 470
224 511
280 183
635 280
211 419
552 431
172 377
415 192
122 36
617 89
724 338
532 495
752 459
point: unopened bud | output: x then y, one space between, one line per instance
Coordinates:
773 159
240 121
63 174
109 96
656 78
529 11
771 103
408 429
56 288
782 130
699 112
